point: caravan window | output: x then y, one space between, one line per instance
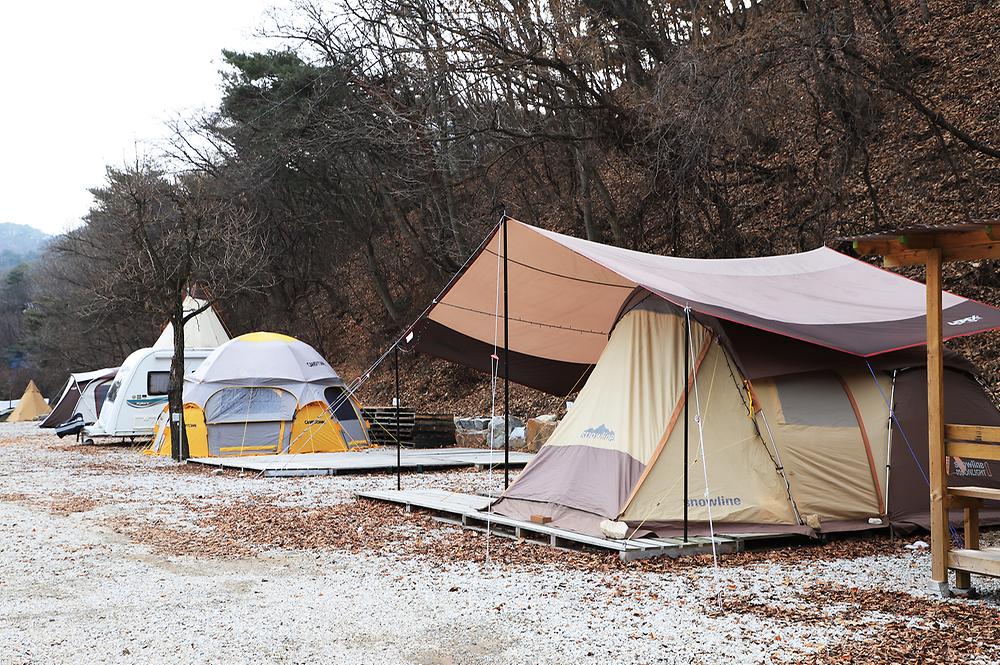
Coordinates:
815 399
158 383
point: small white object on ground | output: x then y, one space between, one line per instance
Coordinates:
614 530
917 545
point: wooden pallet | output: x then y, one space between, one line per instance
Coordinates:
382 424
433 430
471 512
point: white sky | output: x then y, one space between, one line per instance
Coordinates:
88 83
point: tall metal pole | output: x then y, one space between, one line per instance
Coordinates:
395 362
506 366
687 369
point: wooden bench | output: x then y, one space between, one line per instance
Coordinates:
980 443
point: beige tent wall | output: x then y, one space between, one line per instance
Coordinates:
875 414
632 393
827 465
744 484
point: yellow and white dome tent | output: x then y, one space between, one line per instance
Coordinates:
262 394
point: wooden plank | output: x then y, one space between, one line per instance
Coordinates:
972 433
880 247
981 562
951 242
975 492
606 543
986 451
935 422
905 258
948 240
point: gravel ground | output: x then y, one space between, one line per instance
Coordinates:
111 556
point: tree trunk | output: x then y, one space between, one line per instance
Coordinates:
586 204
175 392
378 280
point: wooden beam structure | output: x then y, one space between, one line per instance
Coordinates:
968 242
933 247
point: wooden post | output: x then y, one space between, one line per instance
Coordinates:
963 580
935 427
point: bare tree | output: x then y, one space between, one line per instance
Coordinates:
152 239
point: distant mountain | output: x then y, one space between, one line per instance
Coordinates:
19 243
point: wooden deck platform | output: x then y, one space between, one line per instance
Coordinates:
373 460
470 511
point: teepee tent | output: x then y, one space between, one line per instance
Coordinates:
265 393
84 394
204 330
792 365
32 405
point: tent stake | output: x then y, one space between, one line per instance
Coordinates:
395 362
506 366
687 384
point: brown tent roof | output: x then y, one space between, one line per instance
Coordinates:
566 295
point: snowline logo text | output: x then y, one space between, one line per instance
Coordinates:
599 432
715 501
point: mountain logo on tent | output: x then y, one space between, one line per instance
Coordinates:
600 432
968 319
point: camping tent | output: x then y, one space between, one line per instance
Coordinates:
793 362
203 331
31 406
84 394
265 393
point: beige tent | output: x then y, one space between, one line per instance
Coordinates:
785 366
31 406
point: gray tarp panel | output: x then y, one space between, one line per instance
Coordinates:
233 435
816 399
343 409
254 404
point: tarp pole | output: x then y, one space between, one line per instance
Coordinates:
888 444
506 366
687 384
395 363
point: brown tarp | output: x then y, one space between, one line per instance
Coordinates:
566 295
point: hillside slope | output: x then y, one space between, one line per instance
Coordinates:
912 174
19 243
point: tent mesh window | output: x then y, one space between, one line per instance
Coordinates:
343 409
814 399
249 418
100 395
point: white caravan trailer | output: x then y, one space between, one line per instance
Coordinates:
83 396
138 393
